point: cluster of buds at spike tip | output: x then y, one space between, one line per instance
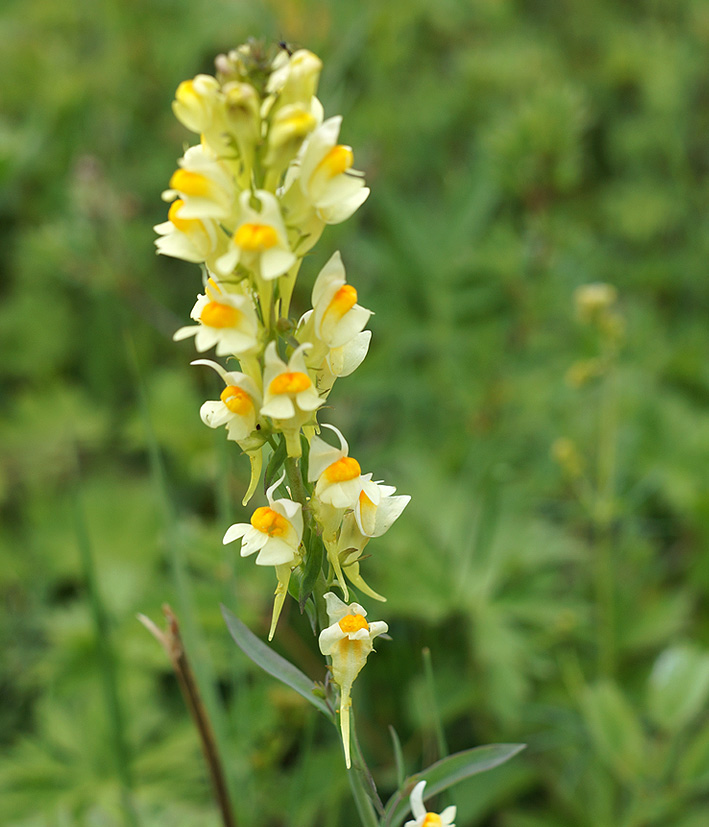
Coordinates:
266 174
596 306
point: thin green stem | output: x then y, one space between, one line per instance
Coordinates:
603 513
363 802
364 790
435 712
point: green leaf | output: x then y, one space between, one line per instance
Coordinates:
278 457
615 730
697 818
271 662
445 773
398 756
693 766
678 686
313 567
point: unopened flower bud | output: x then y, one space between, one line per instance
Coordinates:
583 371
289 127
566 454
241 63
291 124
242 110
195 102
297 80
593 300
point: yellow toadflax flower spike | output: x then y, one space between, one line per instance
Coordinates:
348 641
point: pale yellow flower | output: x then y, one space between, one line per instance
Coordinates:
204 184
295 77
326 177
338 477
377 508
259 242
423 818
237 406
348 641
275 532
289 395
227 320
196 101
344 360
191 239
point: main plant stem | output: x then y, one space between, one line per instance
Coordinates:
364 790
604 509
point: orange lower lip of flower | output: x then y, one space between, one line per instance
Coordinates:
219 315
338 160
212 286
290 382
255 238
343 301
343 470
270 522
236 400
432 820
184 225
353 623
190 183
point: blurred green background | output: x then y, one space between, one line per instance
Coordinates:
515 151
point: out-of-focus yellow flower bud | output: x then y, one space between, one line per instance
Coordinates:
582 372
196 101
594 300
246 61
290 125
242 106
297 78
566 454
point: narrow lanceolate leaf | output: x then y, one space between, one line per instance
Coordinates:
445 773
398 756
304 459
615 729
271 662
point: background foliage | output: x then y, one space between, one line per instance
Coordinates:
515 151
